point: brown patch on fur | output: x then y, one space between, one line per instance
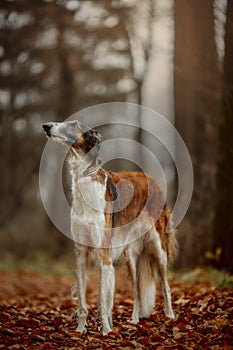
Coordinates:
161 225
140 193
72 152
142 199
147 196
108 223
168 239
173 247
79 142
87 143
106 260
100 176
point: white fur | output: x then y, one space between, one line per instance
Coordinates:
87 214
107 286
81 287
162 269
146 256
146 286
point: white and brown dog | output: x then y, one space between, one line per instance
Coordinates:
115 214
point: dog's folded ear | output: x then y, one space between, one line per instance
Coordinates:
93 137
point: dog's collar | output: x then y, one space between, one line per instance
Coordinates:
91 171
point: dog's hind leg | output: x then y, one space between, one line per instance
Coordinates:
107 286
133 262
81 286
161 260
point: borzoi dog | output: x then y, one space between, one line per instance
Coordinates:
113 214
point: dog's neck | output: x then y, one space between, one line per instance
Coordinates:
83 167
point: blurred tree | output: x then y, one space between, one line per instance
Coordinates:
57 57
223 227
197 79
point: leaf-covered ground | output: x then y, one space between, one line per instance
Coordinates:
36 310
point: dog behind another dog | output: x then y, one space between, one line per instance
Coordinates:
115 214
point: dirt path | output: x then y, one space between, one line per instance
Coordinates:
35 313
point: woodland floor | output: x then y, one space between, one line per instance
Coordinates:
36 310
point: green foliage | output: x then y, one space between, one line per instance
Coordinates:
40 263
217 278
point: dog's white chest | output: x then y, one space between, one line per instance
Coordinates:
87 215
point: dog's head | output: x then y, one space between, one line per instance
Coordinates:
74 135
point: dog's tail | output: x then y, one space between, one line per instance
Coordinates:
173 247
171 237
146 281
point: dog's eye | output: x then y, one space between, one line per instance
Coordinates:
74 125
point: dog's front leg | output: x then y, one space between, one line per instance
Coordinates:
81 286
107 286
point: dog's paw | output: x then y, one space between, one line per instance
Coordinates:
82 328
134 319
169 313
106 329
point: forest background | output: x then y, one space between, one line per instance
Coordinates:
58 57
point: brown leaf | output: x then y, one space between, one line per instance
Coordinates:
5 316
144 341
57 321
182 301
28 323
38 337
128 344
67 304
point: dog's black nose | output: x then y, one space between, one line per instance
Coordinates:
47 128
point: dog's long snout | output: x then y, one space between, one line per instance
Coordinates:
47 127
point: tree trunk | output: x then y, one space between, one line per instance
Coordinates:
224 207
196 79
